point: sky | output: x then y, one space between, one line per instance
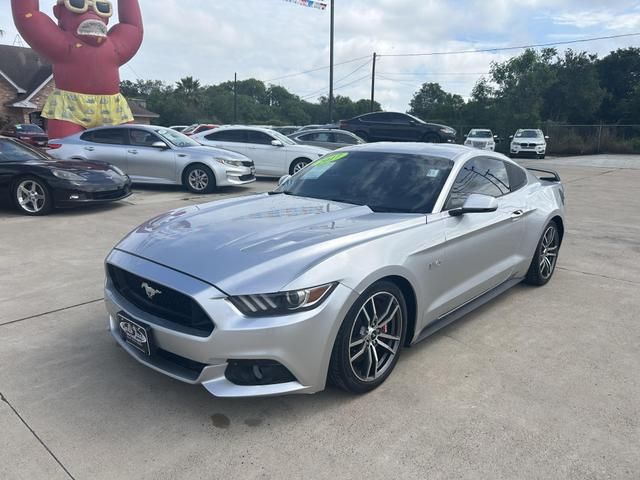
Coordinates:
271 39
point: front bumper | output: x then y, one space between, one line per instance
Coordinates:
537 150
300 342
67 194
237 176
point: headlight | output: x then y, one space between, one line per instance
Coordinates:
448 131
117 170
65 175
282 303
231 163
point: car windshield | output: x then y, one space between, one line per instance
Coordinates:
480 134
385 182
528 134
29 129
11 151
176 138
282 138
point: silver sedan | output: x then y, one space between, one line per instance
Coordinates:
364 252
158 155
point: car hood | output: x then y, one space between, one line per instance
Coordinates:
92 171
535 141
258 244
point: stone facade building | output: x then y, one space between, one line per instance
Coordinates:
26 80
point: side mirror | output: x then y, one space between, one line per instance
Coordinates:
277 143
510 136
283 180
466 136
476 203
546 137
160 145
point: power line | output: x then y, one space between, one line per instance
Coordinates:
428 74
367 76
314 69
315 92
520 47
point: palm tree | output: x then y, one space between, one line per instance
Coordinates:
189 86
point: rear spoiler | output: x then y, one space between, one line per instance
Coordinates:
553 178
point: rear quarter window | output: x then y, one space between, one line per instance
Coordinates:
517 176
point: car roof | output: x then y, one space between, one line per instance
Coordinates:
449 151
245 127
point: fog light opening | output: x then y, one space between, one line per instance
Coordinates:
257 372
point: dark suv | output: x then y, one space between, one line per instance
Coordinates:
397 127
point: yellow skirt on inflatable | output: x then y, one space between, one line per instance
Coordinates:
87 111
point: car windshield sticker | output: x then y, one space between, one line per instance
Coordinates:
433 173
331 158
322 165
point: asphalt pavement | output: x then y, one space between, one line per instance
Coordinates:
539 383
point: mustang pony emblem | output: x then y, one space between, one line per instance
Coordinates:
149 290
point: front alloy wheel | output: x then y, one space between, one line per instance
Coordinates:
32 197
200 179
298 165
370 339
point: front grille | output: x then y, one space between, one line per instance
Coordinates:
110 195
245 178
528 145
176 310
248 163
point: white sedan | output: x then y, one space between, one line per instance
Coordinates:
273 154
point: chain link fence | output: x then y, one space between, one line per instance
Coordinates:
574 139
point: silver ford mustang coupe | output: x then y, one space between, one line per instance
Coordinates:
365 251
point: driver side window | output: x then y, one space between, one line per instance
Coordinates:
485 176
142 138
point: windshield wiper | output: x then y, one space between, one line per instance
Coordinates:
281 192
383 209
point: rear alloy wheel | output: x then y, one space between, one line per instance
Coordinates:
546 257
370 339
32 196
298 165
199 179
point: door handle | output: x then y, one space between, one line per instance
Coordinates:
134 152
90 149
517 214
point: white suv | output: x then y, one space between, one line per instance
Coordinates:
528 142
481 138
274 154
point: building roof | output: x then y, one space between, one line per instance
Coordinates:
138 108
25 70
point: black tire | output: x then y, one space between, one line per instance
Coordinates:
432 138
362 135
542 156
298 164
541 270
198 178
32 196
347 357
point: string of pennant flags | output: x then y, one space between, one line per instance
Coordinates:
320 5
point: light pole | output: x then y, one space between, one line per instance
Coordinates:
331 64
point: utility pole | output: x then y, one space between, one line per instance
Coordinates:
235 98
373 81
331 64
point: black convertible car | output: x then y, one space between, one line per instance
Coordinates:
36 183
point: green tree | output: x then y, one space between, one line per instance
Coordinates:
432 103
619 74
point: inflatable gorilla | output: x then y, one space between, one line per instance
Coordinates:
86 58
